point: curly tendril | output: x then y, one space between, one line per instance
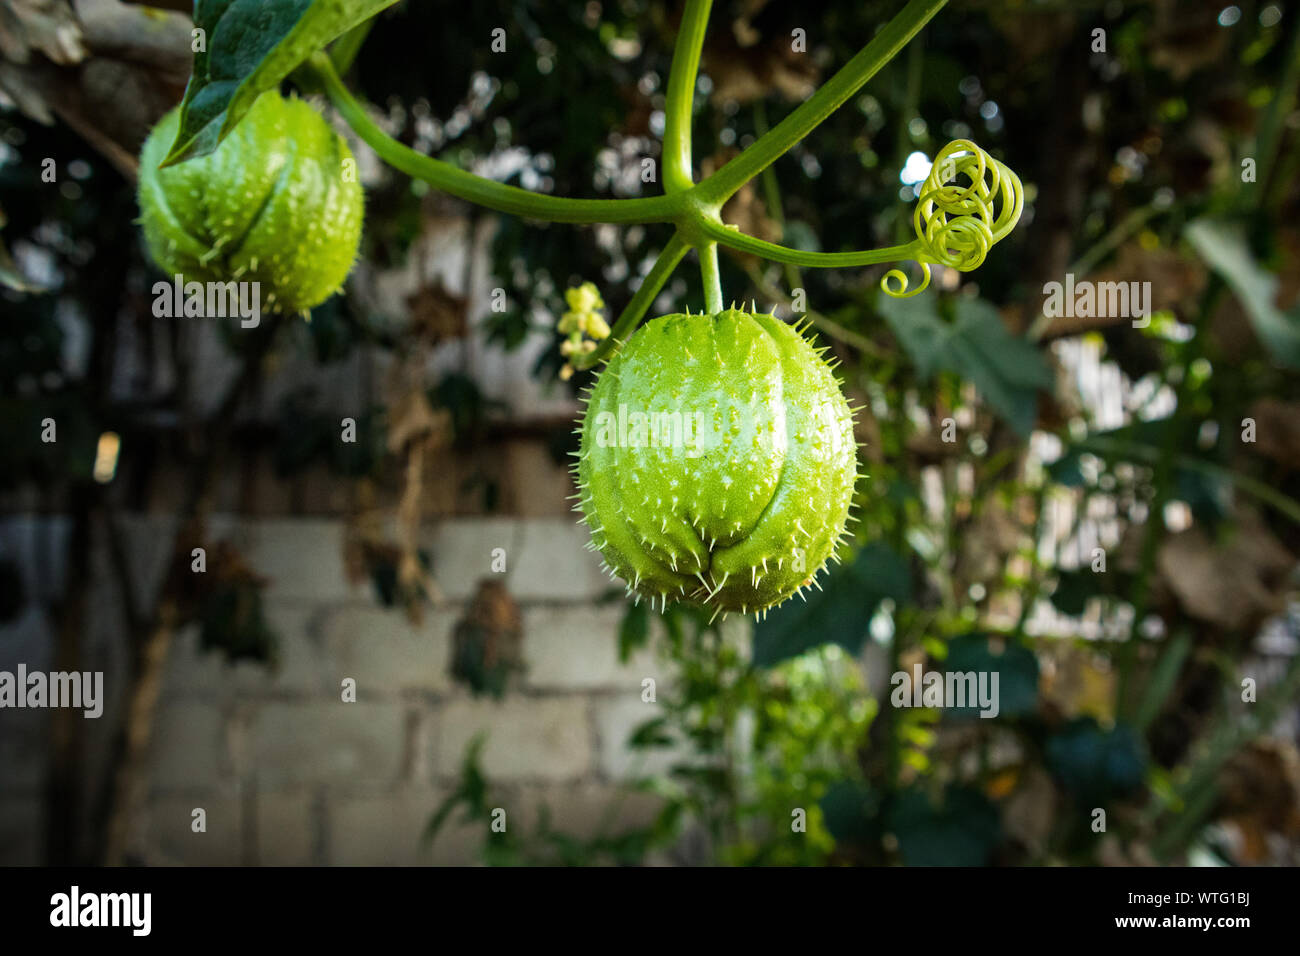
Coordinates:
956 225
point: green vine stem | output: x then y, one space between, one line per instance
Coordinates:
955 225
680 101
679 111
733 238
810 114
476 189
793 278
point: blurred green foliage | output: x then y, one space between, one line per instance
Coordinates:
1132 159
1114 150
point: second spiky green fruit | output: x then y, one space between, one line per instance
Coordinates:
717 462
278 203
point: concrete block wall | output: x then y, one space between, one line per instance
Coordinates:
288 773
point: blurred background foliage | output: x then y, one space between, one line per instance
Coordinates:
1071 502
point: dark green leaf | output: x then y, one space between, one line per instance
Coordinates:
383 575
1163 679
1007 369
1209 496
650 734
1073 588
634 632
916 324
1141 443
471 792
849 810
232 621
1067 470
961 832
250 46
1095 764
1224 247
1016 667
838 613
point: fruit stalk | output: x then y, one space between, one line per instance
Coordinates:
711 276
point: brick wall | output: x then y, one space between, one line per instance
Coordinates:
289 773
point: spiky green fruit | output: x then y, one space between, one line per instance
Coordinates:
717 461
278 203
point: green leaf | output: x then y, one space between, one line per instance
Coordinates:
650 735
1225 250
232 621
1209 496
250 47
838 613
1073 588
916 324
1007 369
1139 442
849 810
345 50
1068 470
1094 764
634 632
471 792
383 575
962 831
1164 676
1016 667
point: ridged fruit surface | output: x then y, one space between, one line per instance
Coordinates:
739 501
272 205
